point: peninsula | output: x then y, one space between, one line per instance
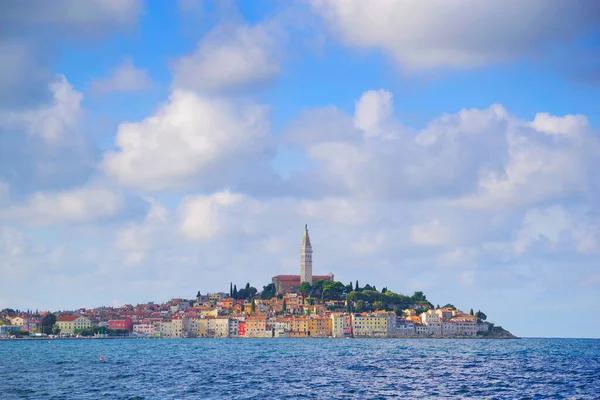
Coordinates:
294 306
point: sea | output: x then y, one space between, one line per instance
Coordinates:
300 369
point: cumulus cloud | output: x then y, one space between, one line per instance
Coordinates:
207 217
188 137
138 237
123 78
464 33
53 122
231 57
373 110
558 226
432 233
486 159
77 205
43 146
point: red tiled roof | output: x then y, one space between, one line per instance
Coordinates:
67 318
290 277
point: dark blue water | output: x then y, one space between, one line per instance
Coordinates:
300 368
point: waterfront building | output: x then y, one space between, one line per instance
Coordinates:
430 317
256 327
69 323
144 329
404 328
299 327
125 324
379 324
7 330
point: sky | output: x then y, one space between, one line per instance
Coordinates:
150 150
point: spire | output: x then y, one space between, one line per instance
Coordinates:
306 238
306 258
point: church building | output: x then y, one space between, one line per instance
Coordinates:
291 283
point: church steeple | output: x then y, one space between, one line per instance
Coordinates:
306 258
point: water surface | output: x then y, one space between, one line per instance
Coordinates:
300 368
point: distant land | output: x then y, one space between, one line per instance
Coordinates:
294 306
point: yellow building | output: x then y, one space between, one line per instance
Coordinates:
69 323
379 324
319 326
256 327
299 327
17 321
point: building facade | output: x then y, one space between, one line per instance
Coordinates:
69 323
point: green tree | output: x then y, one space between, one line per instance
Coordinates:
471 312
348 288
305 289
284 307
230 289
450 306
356 288
48 322
268 292
378 305
347 306
481 316
235 292
418 297
55 329
360 305
247 285
333 290
253 307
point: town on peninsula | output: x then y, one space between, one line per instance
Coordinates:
291 306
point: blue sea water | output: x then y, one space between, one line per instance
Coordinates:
300 369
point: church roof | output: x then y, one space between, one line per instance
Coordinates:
306 238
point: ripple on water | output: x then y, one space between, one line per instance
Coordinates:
296 368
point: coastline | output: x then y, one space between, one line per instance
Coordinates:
280 337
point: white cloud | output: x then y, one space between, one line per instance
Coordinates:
541 166
557 226
463 33
134 258
338 211
143 236
52 122
188 136
479 159
123 78
207 217
567 125
231 57
78 205
432 233
373 109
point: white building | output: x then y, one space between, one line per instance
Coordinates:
144 329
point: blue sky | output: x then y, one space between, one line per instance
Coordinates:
149 150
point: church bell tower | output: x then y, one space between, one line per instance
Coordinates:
306 258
